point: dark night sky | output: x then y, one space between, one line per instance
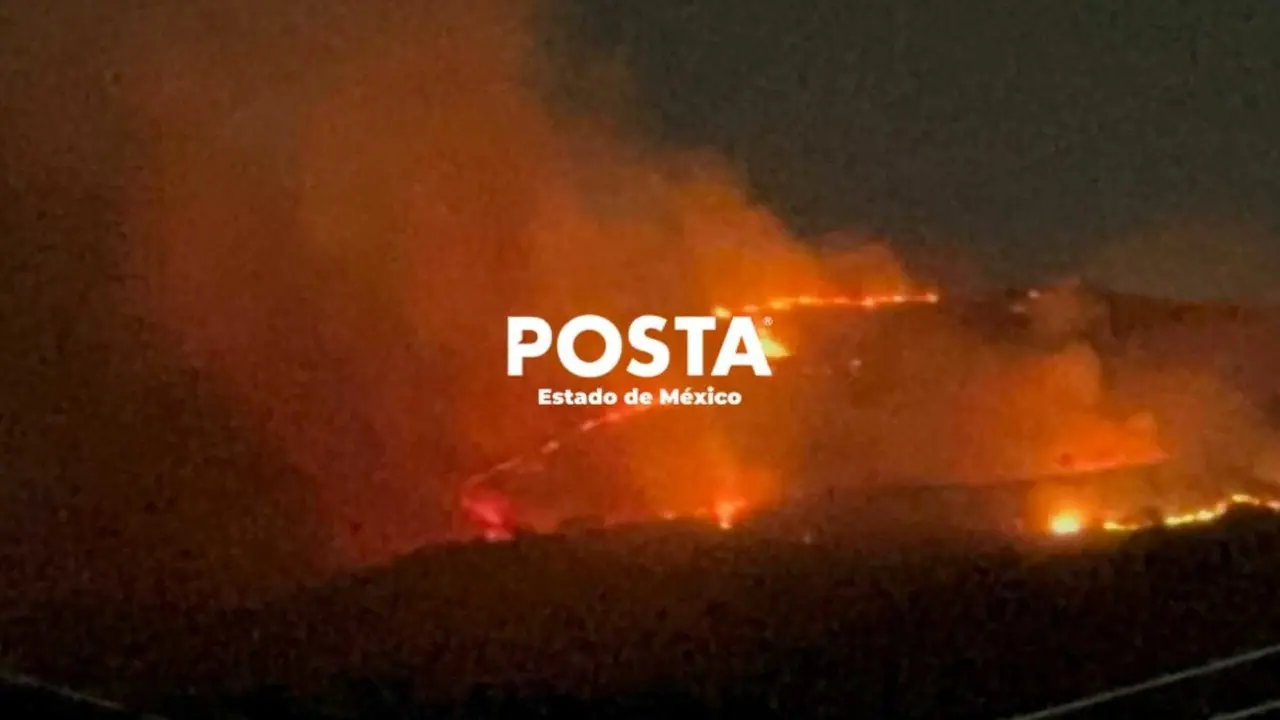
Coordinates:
1028 134
1023 135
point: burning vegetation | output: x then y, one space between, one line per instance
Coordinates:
328 228
1056 426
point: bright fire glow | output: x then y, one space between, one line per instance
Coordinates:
1065 523
773 348
1198 516
726 512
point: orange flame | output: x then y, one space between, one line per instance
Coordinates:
726 512
773 348
1065 523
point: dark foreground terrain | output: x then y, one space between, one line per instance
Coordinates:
681 622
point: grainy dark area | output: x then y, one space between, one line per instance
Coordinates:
689 622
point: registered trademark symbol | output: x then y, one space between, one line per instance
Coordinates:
768 320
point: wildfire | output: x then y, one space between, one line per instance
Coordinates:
1070 523
1065 523
772 347
726 513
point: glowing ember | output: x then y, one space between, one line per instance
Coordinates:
726 512
772 347
493 513
1198 516
1065 523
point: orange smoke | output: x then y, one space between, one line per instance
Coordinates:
335 231
936 401
332 219
341 251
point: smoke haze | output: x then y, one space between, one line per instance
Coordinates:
298 233
328 215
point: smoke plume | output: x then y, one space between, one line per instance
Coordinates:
331 219
304 225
